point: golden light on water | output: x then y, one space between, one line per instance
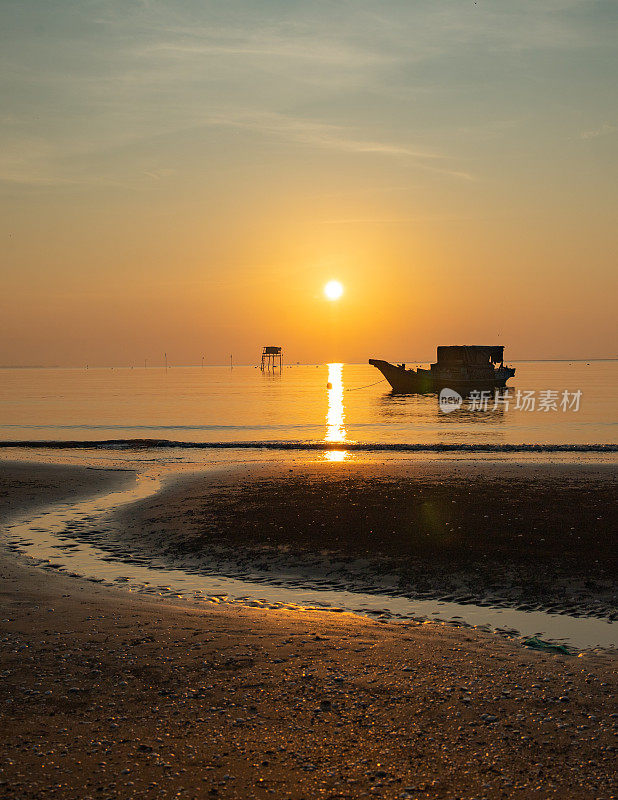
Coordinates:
333 290
335 416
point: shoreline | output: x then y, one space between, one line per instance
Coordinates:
302 445
140 698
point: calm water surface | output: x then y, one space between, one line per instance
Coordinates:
219 404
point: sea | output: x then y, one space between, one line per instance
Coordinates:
549 406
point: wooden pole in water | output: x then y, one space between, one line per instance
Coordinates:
231 363
165 360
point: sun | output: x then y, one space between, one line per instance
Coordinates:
333 290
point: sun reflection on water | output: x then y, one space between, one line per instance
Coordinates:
335 416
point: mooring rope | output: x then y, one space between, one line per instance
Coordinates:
356 388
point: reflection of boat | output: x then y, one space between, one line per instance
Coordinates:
457 367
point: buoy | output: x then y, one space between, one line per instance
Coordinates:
329 385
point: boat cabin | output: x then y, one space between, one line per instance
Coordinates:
469 355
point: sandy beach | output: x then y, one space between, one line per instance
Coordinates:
110 694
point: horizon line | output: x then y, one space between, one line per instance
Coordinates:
86 367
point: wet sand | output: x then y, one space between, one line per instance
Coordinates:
24 485
108 694
533 536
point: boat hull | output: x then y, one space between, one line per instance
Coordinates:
410 381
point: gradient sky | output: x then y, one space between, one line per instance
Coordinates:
185 176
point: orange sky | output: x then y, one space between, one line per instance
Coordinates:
184 177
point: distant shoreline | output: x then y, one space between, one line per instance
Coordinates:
288 365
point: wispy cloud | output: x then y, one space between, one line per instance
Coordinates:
28 162
333 137
329 52
392 220
319 134
375 80
160 173
603 130
40 162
